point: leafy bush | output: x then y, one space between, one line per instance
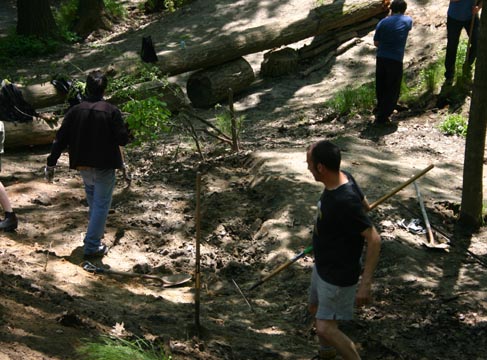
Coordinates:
16 46
147 119
454 124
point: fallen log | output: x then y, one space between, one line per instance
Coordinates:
35 132
330 16
42 95
207 87
279 62
325 41
340 50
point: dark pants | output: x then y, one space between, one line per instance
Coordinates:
388 77
454 29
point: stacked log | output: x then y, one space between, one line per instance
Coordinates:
207 87
279 62
330 16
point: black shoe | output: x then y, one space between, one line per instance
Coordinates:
382 120
101 252
9 223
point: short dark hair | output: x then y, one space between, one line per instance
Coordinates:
399 6
326 153
96 83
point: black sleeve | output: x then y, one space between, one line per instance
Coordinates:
60 142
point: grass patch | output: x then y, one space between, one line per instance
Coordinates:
350 101
117 348
454 124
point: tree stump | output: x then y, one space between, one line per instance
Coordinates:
207 87
280 62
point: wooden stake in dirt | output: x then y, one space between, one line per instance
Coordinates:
197 275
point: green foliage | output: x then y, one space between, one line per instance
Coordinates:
224 122
15 46
427 82
454 124
115 8
353 100
147 119
119 86
117 348
172 5
67 15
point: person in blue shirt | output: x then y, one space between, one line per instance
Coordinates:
460 15
390 38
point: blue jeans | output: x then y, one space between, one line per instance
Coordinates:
99 185
454 29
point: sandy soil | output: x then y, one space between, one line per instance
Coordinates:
257 208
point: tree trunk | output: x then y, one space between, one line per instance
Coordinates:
35 18
207 87
472 195
35 132
328 17
91 17
42 95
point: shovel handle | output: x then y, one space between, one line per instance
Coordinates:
400 187
282 267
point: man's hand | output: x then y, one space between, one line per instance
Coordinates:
49 173
364 294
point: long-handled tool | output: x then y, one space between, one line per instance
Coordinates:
431 239
167 281
310 248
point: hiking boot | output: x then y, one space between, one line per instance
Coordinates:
101 252
9 223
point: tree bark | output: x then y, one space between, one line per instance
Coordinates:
207 87
328 17
42 95
472 195
92 17
35 132
35 18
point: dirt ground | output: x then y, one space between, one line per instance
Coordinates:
257 211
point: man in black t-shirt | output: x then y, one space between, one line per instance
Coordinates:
342 226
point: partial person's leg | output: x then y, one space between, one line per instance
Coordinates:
10 222
453 29
473 41
380 89
101 199
395 85
329 332
4 200
326 352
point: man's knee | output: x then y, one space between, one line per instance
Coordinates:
326 329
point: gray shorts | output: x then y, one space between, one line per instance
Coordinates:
333 302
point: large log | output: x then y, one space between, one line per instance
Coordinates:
35 132
207 87
220 49
41 95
